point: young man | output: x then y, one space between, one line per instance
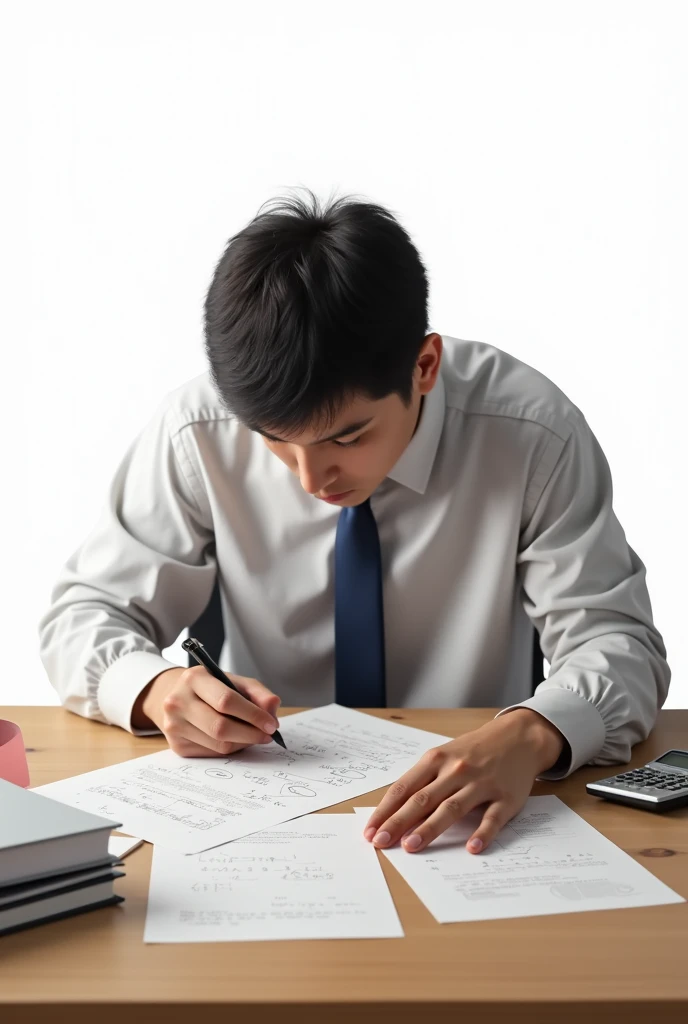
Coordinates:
388 512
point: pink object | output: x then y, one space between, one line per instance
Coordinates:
13 765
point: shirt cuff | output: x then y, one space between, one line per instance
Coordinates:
578 720
121 684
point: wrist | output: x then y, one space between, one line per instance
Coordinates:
545 740
147 710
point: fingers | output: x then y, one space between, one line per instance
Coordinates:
435 794
497 813
187 740
448 811
227 702
202 717
259 694
407 789
221 731
190 717
454 791
495 818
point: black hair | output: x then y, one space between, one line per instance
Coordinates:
310 306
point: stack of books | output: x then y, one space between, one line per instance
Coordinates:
54 860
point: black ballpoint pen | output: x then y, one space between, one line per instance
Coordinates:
198 651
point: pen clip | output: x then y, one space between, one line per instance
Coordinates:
192 645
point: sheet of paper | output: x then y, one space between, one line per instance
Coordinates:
120 846
547 860
313 878
194 804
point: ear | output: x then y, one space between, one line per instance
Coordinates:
428 363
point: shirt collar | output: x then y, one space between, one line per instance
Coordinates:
414 466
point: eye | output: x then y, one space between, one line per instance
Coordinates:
347 444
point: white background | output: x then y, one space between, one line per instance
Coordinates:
536 152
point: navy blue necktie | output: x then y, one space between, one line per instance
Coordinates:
358 612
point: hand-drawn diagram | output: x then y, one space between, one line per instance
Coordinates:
294 785
219 773
353 770
296 789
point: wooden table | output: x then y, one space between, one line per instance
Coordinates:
627 964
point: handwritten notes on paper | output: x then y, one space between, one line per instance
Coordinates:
194 804
546 860
314 878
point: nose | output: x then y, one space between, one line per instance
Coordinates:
315 474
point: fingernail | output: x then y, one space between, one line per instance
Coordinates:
369 832
413 842
475 845
382 838
266 739
269 725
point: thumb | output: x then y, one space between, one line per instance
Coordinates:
265 699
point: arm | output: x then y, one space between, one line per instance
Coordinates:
145 572
585 591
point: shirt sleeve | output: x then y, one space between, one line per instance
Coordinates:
144 573
585 592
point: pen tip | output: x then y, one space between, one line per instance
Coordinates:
278 739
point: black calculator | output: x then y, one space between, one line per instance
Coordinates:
660 785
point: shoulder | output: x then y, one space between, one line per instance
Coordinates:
483 380
195 402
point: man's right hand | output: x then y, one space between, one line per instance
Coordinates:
189 706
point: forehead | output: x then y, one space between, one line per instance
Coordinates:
350 416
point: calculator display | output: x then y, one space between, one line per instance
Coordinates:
677 758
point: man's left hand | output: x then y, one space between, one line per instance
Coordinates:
492 767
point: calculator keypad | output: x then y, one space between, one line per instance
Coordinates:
649 778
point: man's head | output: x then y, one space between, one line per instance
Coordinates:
317 337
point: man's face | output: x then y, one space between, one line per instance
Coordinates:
347 461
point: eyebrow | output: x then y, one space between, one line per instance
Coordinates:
351 429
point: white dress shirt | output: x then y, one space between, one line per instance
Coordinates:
498 515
